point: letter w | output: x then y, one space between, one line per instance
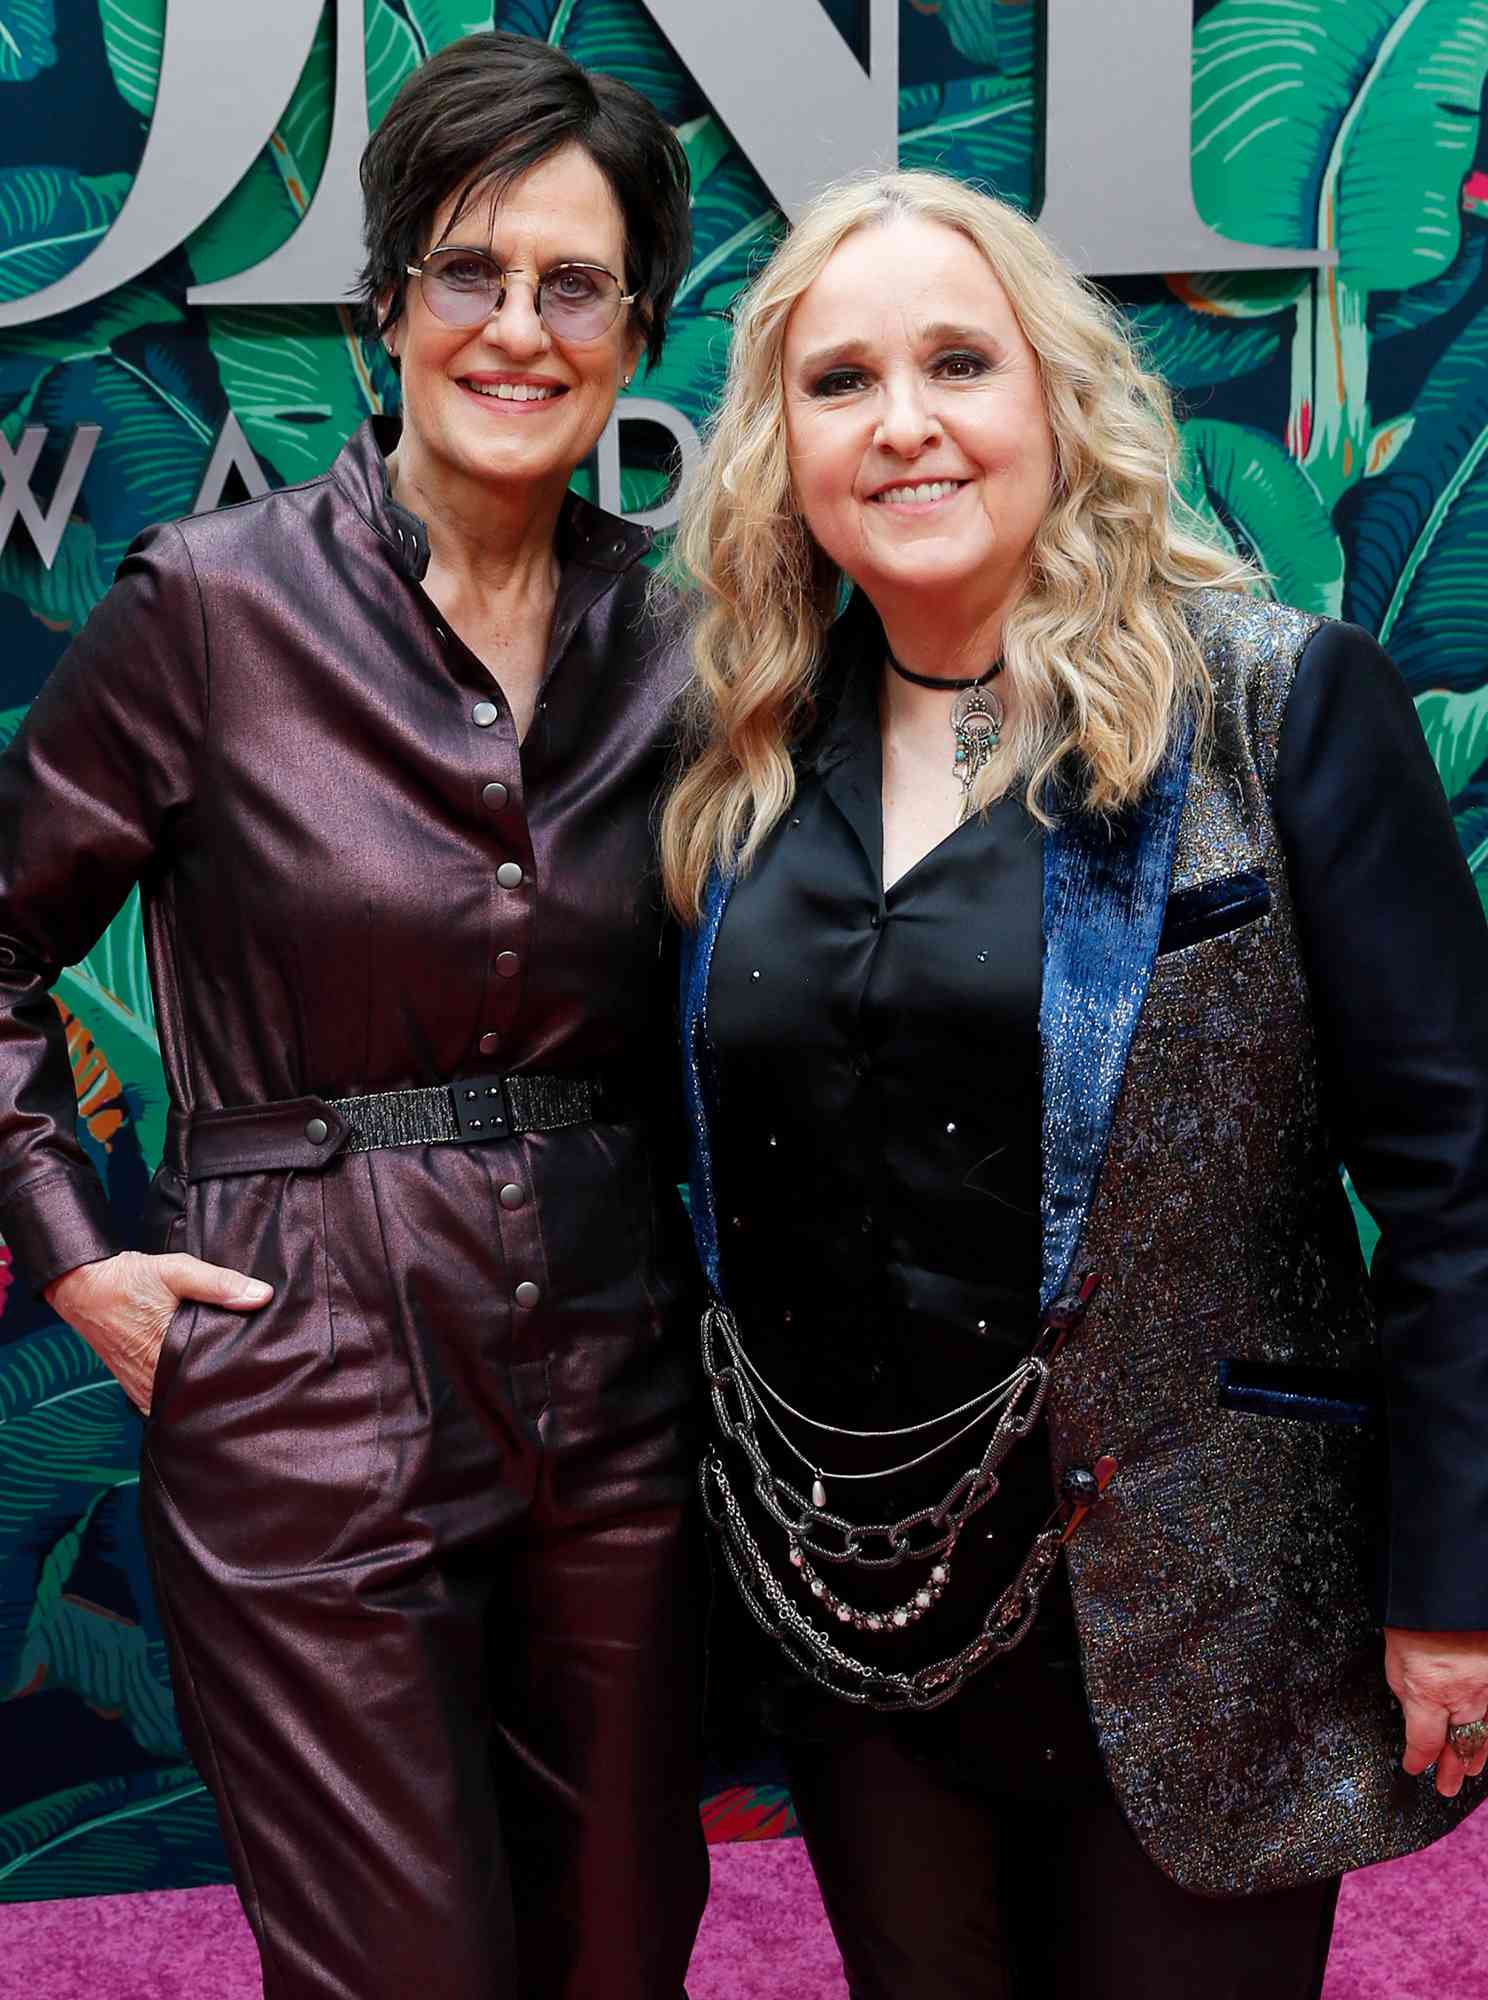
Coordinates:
16 497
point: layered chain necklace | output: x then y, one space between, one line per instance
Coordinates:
815 1534
976 716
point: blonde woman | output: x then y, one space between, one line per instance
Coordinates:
1063 914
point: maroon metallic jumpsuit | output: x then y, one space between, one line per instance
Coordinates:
420 1526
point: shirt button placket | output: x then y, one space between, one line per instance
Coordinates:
511 913
516 1212
517 1217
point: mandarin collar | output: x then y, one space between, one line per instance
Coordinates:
586 534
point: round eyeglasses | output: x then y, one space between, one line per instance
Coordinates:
574 301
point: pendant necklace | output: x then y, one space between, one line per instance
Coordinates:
976 717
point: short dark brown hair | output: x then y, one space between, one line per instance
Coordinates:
483 112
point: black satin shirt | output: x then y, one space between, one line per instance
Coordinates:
877 1148
355 880
877 1133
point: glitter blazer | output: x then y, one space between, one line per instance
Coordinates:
1226 1588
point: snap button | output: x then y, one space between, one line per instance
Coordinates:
1081 1485
484 714
511 1196
494 795
508 965
317 1131
527 1294
509 875
489 1044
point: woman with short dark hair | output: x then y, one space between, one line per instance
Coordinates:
381 751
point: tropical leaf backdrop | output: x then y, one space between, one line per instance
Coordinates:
1336 428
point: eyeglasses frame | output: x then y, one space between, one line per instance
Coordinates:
539 278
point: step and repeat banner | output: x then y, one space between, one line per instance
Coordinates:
1290 198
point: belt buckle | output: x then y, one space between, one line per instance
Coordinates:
481 1109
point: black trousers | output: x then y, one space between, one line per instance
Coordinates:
456 1757
976 1853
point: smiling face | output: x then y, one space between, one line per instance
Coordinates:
919 444
507 403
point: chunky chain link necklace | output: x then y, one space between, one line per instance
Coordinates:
929 1535
812 1529
976 716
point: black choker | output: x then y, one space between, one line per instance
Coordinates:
976 720
938 681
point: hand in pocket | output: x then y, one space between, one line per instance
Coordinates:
123 1305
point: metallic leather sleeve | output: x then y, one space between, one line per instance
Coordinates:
1396 951
103 761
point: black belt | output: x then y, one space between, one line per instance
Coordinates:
308 1132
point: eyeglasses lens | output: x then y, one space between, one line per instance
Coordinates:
460 287
578 302
463 288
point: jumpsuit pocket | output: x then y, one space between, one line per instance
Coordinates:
161 1237
265 1426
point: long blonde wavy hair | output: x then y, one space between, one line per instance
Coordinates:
1097 643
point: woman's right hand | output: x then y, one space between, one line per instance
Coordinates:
123 1305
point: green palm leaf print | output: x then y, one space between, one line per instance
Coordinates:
109 1837
1261 503
84 334
110 994
298 379
1344 122
50 218
616 36
1000 33
27 39
1197 349
66 1438
436 22
133 36
1456 730
1419 559
981 130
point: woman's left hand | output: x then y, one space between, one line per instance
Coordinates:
1438 1678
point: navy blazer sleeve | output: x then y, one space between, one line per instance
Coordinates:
1396 948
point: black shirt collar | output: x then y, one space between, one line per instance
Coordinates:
848 692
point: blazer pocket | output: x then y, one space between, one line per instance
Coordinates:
1209 909
1306 1394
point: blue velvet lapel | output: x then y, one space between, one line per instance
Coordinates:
697 1077
1105 891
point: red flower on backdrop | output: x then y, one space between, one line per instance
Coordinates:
7 1277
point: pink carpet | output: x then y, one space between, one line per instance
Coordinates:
1409 1930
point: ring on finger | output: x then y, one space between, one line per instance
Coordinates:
1468 1738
